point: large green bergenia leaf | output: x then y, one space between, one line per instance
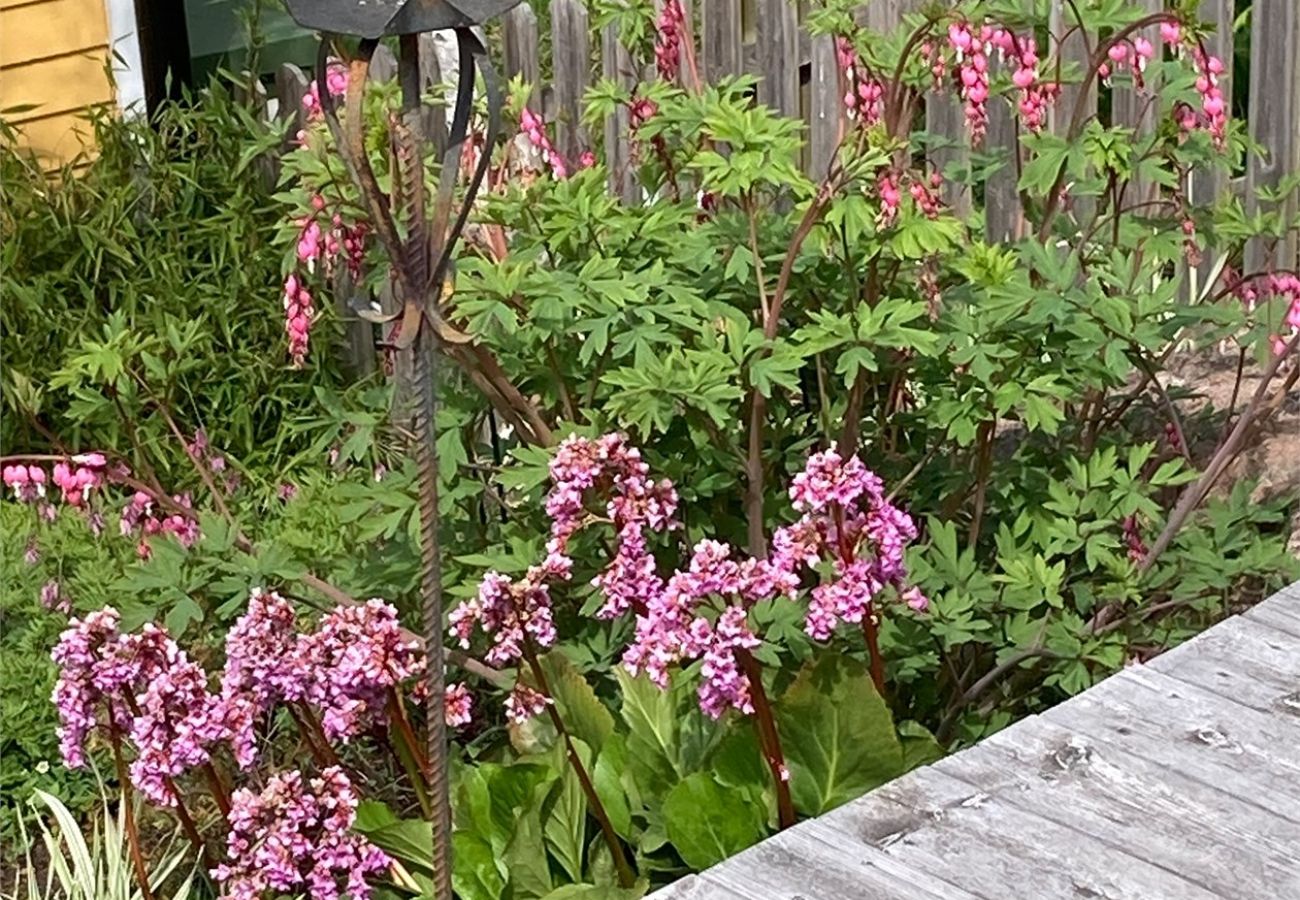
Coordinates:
837 734
707 822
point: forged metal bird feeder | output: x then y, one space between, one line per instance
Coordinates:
420 260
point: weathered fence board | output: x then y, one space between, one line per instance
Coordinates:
519 40
571 47
1242 660
720 39
1274 116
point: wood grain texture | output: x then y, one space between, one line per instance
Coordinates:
1136 806
987 846
616 64
799 864
1281 611
825 107
1245 662
1198 733
571 49
1274 119
778 56
720 39
520 38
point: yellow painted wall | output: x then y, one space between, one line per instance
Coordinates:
52 59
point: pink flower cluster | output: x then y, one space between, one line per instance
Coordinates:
669 32
262 668
1035 96
973 75
336 82
864 95
1214 108
26 482
887 187
79 477
847 519
1283 286
357 655
175 725
535 130
152 691
699 612
54 599
516 613
299 315
1133 55
140 517
295 837
159 697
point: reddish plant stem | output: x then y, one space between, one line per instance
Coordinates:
870 625
307 736
182 813
626 877
769 739
327 749
128 812
218 789
397 712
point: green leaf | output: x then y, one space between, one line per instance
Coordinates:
595 892
839 736
607 778
584 715
708 823
652 732
919 746
474 872
566 822
525 858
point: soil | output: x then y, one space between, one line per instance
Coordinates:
1201 385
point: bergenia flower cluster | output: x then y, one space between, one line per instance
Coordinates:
263 668
294 838
174 726
863 94
357 655
159 698
699 612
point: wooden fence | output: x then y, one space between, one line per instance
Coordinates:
798 76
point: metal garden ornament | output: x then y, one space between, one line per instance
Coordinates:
420 251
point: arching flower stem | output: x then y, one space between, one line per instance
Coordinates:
626 877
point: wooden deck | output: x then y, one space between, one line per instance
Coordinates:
1179 779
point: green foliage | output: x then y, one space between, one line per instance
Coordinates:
95 865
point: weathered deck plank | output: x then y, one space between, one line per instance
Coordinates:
1147 810
800 865
1281 611
1195 732
1244 661
987 846
1179 779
